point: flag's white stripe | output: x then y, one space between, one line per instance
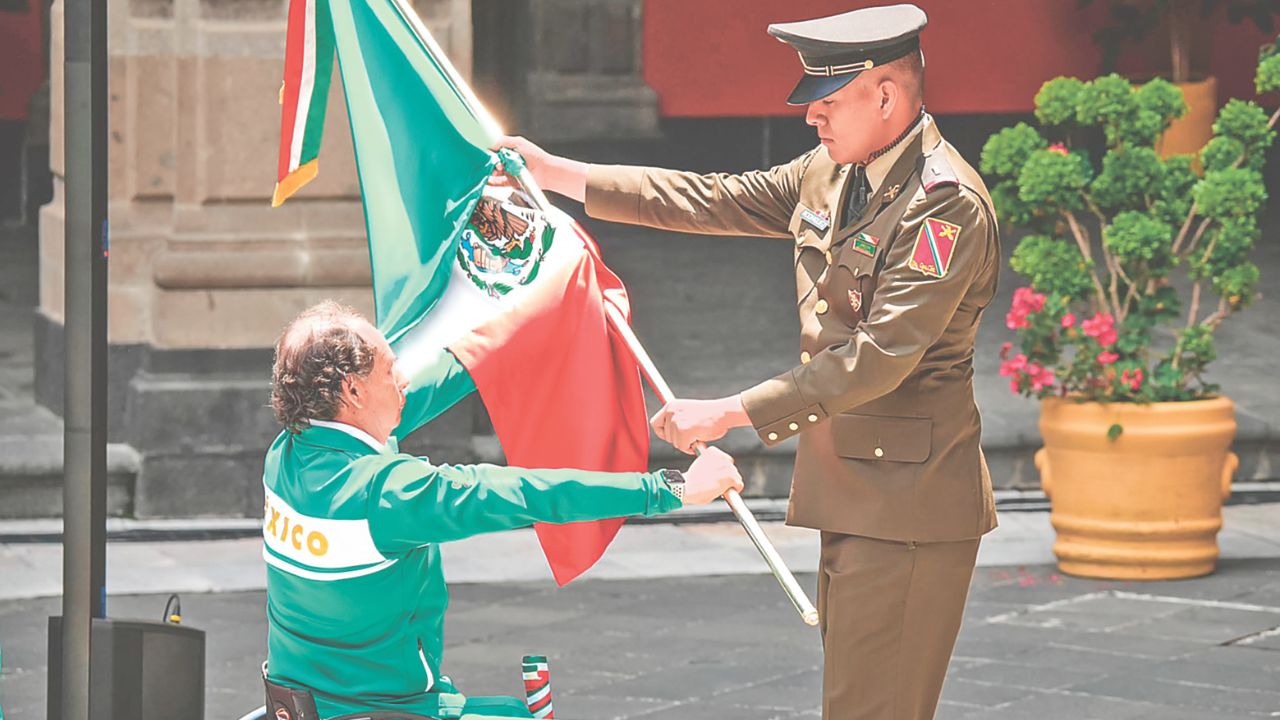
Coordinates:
464 307
306 85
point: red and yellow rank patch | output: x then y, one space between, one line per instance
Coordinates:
934 248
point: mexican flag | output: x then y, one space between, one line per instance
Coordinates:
517 293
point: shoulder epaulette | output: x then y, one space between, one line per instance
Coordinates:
937 172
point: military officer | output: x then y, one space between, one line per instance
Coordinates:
355 590
896 257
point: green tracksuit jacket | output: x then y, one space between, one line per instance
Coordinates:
355 589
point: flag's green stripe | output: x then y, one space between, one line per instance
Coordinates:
314 128
420 165
473 129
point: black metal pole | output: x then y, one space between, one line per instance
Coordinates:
84 410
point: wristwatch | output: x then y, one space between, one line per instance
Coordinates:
675 482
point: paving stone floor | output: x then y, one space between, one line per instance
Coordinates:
1035 645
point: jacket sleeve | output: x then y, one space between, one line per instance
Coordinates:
434 387
412 502
758 203
909 313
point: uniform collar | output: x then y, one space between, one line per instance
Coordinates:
878 169
351 431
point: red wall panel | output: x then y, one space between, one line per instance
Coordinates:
713 58
22 64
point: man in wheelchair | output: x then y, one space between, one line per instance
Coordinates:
355 590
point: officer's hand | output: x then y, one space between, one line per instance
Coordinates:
685 422
713 474
535 158
552 172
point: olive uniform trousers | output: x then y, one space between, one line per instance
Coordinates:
890 612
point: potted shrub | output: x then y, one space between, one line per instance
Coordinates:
1133 262
1188 24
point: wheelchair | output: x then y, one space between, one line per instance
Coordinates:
285 703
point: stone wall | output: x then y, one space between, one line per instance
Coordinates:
203 271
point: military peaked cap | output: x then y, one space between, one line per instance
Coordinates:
834 50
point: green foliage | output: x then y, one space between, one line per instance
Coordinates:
1128 175
1237 284
1053 266
1245 122
1172 193
1221 153
1230 193
1057 100
1268 77
1162 98
1109 324
1012 209
1138 239
1105 100
1007 151
1053 179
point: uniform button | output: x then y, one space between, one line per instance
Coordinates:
773 436
821 307
793 427
805 357
813 418
879 452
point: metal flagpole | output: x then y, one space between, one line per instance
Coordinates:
740 509
656 381
84 408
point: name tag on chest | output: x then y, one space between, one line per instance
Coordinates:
819 221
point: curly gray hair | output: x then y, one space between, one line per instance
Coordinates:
316 353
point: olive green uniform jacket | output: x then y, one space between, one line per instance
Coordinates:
889 307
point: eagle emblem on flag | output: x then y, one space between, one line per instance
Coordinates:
935 245
504 243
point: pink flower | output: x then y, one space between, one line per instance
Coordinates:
1107 357
1059 148
1026 302
1040 377
1013 366
1101 327
1133 378
1005 349
1068 321
1043 379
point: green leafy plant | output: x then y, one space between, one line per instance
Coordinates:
1107 237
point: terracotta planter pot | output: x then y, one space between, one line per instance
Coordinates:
1146 506
1189 133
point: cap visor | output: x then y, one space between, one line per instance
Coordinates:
816 87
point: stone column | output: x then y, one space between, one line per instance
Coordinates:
584 76
203 272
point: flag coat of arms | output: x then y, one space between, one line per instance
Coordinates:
517 295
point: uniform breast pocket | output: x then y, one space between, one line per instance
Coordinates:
879 437
849 288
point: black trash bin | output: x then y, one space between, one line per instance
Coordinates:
141 671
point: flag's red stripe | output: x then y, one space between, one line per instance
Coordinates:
563 392
295 45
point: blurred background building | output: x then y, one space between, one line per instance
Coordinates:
204 273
